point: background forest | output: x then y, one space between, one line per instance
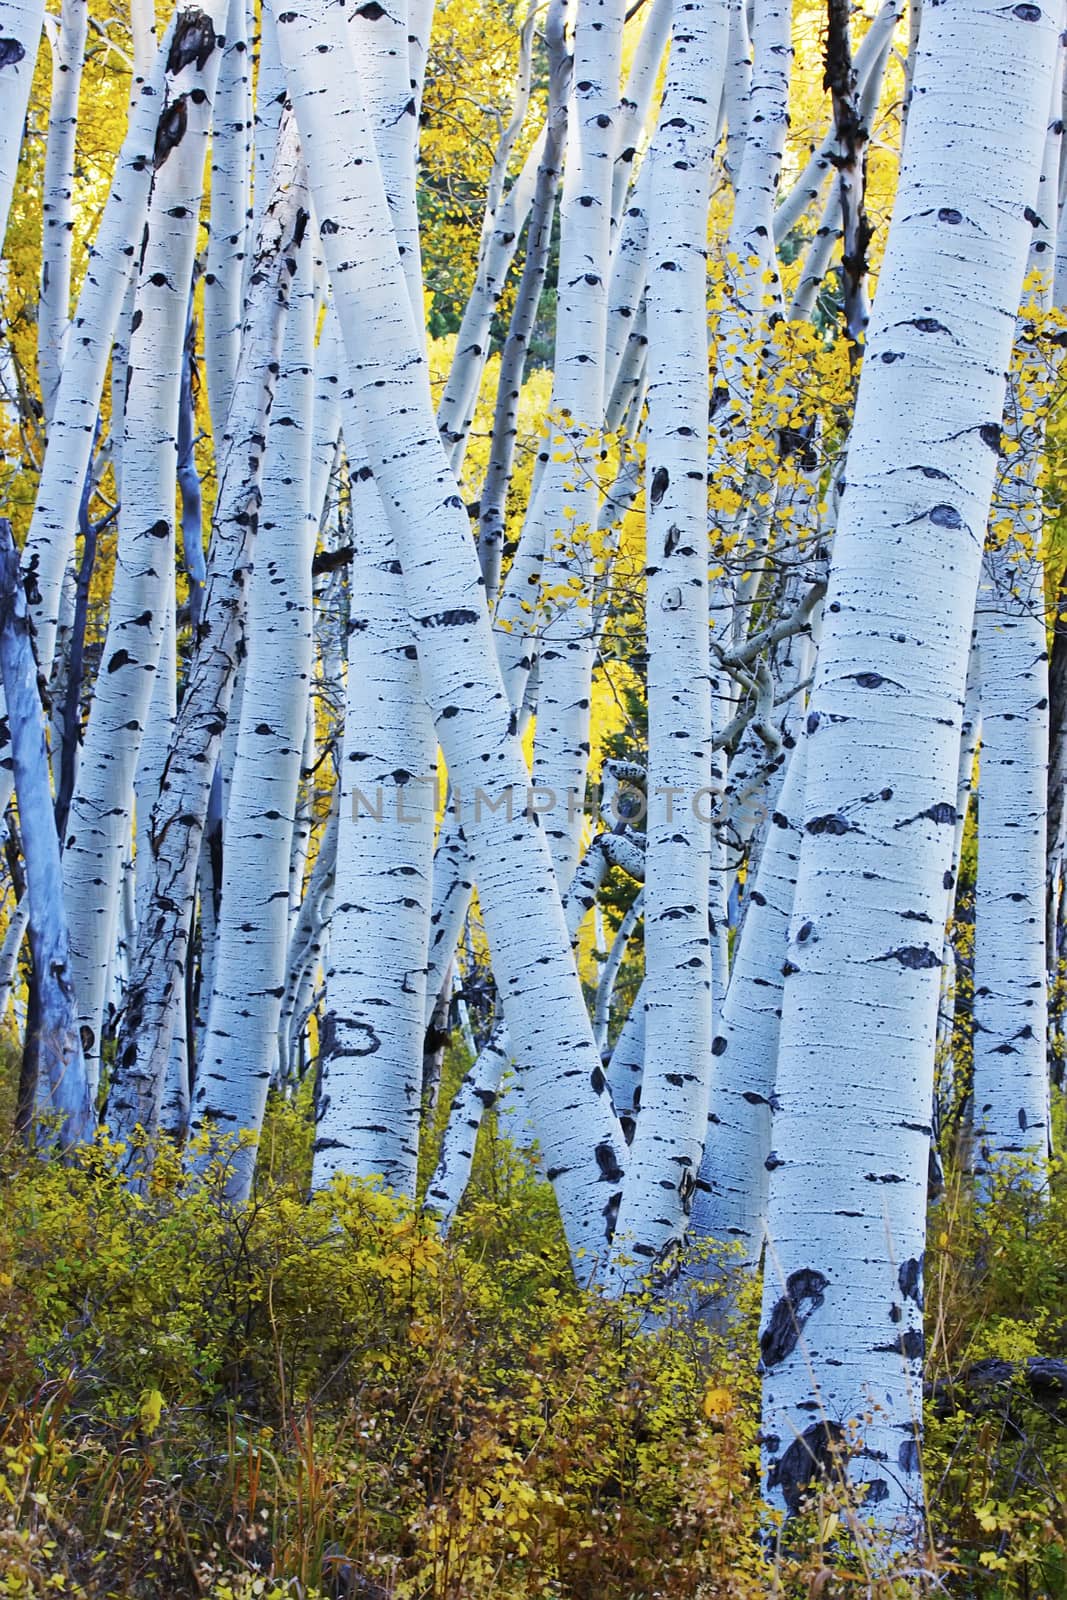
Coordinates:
533 579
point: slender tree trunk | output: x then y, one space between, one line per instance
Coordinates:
155 121
53 312
224 270
63 1086
566 505
100 815
547 1020
730 1205
677 1066
20 35
1010 1117
238 1059
178 819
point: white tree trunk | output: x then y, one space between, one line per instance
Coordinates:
63 1087
238 1058
445 597
731 1201
842 1322
231 176
566 505
369 1106
1010 1117
179 815
154 122
101 811
57 204
677 1061
20 35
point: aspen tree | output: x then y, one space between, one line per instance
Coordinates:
842 1318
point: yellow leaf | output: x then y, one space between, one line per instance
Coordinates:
717 1402
151 1409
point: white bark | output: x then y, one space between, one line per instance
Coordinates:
100 813
609 973
627 1065
677 1059
1010 1117
237 1061
636 101
63 1087
154 121
546 1016
179 816
842 1321
369 1105
480 1088
567 515
57 202
20 35
231 152
731 1200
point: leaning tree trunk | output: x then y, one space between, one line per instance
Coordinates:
98 829
63 1087
20 35
842 1318
565 506
178 819
476 726
159 111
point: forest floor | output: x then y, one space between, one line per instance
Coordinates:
327 1400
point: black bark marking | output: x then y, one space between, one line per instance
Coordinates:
369 1046
834 823
868 680
910 1345
877 1489
946 517
660 481
194 40
915 957
607 1161
170 130
11 53
811 1456
804 1294
449 619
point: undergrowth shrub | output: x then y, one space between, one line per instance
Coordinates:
995 1452
323 1398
